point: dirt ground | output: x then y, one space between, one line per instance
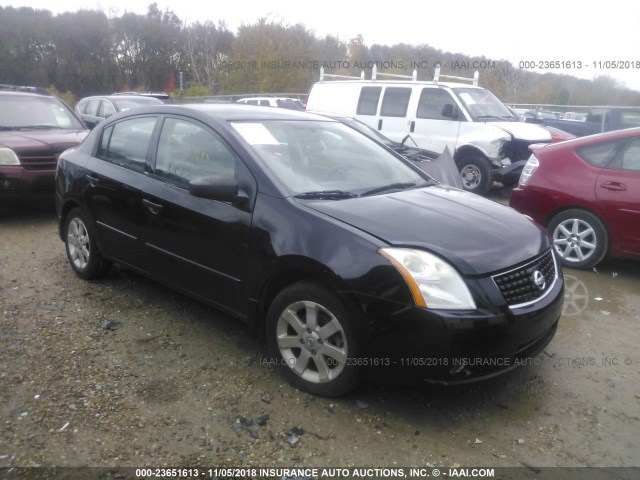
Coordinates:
124 372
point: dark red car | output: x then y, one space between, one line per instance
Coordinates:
35 128
586 192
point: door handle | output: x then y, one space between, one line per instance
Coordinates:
614 186
153 208
412 126
380 124
92 180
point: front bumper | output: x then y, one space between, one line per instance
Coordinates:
18 184
509 174
449 347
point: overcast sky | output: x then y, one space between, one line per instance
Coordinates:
605 40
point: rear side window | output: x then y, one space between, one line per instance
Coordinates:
395 102
126 143
368 101
599 155
630 119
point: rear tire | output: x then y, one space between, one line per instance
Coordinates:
313 337
476 173
82 250
579 238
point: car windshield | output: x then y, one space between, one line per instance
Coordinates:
37 112
327 160
483 105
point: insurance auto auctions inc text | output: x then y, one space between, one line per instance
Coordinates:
357 64
342 473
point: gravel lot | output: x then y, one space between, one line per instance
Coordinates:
124 372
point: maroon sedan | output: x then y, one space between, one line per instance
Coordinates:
35 128
586 192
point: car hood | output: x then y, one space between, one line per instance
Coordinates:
477 235
55 140
524 131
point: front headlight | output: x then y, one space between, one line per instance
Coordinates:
8 157
432 281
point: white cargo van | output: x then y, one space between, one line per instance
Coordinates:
488 141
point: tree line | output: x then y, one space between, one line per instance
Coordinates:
87 52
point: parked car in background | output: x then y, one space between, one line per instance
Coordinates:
587 193
598 120
558 135
342 253
35 128
164 97
279 102
95 109
438 165
484 136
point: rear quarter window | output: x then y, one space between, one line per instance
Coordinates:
599 155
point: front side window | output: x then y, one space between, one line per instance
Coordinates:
106 109
432 104
126 143
91 107
187 150
395 102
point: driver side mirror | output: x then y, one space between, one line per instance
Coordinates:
450 111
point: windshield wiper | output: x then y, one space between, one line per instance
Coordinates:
478 117
326 195
392 186
37 127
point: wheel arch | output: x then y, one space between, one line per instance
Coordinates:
292 270
64 212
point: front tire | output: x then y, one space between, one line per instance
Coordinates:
82 250
579 238
313 335
476 174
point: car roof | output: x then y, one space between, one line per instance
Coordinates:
18 89
120 96
589 139
235 112
402 83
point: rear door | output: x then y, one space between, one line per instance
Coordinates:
112 191
618 190
393 116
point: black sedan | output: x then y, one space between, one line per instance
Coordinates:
341 252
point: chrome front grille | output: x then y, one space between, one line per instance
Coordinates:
528 283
